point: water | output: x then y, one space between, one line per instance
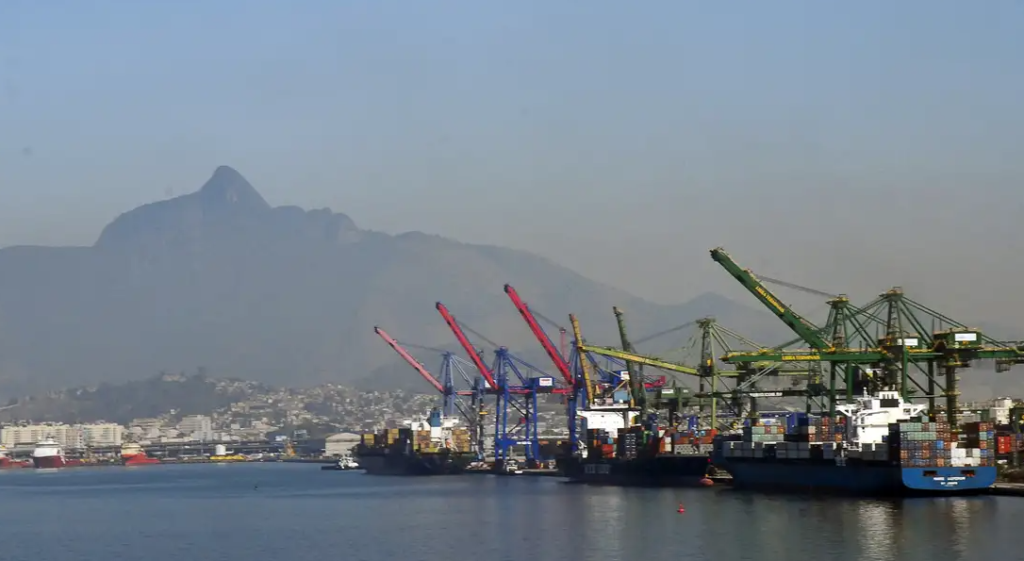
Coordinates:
290 511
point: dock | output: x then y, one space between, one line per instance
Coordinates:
525 472
1007 489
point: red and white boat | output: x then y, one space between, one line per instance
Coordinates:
6 462
133 455
49 454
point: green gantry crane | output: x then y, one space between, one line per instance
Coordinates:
899 352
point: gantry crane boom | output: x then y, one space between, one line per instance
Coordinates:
802 327
640 359
470 350
538 332
409 358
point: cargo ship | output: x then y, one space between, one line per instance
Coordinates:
881 446
638 457
50 454
435 446
132 454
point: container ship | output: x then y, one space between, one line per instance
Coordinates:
50 454
882 446
132 454
638 457
436 446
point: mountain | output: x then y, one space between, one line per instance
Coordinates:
221 279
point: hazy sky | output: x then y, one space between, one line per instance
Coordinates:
847 146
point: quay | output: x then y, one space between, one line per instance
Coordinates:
1007 489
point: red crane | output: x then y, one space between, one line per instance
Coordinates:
464 341
538 332
412 361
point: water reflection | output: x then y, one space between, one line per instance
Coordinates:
880 530
376 519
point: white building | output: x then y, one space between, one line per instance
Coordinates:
29 435
103 434
340 444
197 427
69 436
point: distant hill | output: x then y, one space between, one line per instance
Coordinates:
120 403
219 278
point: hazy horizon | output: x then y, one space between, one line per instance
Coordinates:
844 148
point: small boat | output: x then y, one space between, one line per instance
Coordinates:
510 467
343 464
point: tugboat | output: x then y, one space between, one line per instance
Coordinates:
343 464
133 455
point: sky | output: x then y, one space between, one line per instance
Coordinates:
847 147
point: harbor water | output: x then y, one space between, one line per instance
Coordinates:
264 511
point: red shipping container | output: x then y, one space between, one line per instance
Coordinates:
1002 445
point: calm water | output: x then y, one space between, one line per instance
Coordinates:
264 511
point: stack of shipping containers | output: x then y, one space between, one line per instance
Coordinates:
803 438
629 442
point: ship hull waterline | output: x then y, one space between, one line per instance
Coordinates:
659 471
48 462
414 464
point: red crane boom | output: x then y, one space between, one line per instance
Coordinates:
409 358
538 332
464 341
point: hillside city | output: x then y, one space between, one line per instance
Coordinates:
258 413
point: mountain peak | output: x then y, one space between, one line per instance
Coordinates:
226 200
227 187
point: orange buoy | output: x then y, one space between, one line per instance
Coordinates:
706 482
681 510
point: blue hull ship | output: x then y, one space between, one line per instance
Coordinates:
883 446
855 478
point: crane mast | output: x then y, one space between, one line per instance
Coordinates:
636 388
589 390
